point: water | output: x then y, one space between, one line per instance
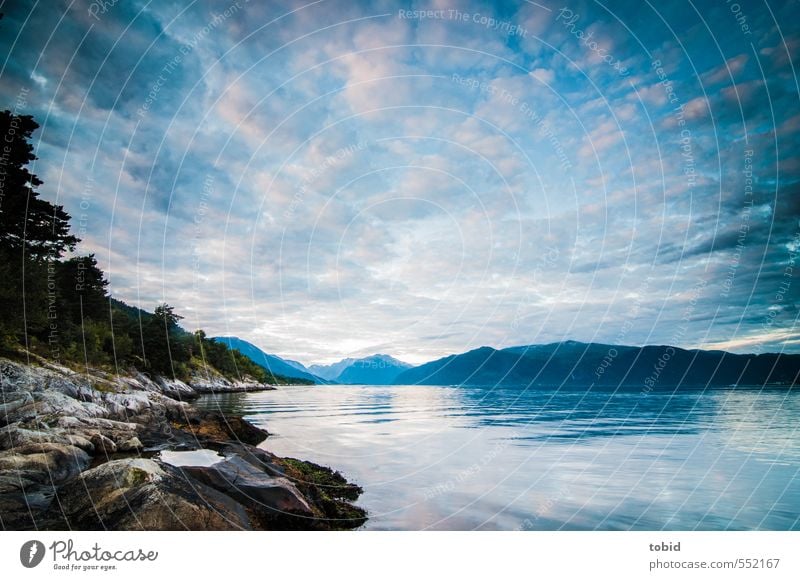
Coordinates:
196 458
463 458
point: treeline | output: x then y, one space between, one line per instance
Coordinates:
57 305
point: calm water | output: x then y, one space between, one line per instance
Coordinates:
507 458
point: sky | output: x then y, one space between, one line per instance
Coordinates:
339 178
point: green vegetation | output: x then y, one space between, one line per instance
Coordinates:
327 489
331 484
57 305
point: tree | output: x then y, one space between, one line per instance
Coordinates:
165 346
27 223
165 315
34 233
82 288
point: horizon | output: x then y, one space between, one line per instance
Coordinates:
363 356
333 180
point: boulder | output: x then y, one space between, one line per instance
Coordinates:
44 462
130 445
12 402
125 405
18 435
47 406
103 445
253 487
176 389
53 420
215 426
96 424
141 494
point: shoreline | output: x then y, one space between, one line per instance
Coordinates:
81 452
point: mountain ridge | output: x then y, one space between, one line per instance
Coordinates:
376 369
592 364
271 362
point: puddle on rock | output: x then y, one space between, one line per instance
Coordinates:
196 458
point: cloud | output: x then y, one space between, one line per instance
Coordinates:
727 72
543 75
334 180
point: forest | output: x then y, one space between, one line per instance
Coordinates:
54 301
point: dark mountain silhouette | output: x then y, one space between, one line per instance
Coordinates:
582 365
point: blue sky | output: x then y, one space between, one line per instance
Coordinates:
342 178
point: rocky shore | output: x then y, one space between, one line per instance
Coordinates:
86 452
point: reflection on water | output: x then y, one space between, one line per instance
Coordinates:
196 458
508 458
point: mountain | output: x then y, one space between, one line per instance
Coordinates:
579 364
378 369
273 363
331 371
296 364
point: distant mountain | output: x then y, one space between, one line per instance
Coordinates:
271 362
579 364
296 364
331 371
379 369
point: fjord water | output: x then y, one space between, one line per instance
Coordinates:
463 458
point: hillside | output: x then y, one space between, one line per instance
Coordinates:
582 365
270 362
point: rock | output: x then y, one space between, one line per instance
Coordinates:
140 494
259 458
17 435
130 446
66 387
21 507
103 445
53 420
328 491
127 405
50 405
176 390
81 443
44 462
253 487
215 426
13 402
96 424
15 377
203 385
171 409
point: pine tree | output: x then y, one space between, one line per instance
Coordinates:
28 224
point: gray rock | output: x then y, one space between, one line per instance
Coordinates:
52 420
95 423
140 494
127 404
252 486
44 462
18 435
103 445
48 406
14 401
176 389
130 445
81 443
